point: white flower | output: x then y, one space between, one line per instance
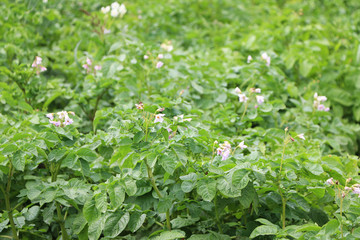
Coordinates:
159 64
62 114
242 145
122 10
167 46
146 57
160 56
45 1
267 58
242 98
260 99
115 5
301 136
258 90
107 31
159 118
105 10
114 12
237 90
249 58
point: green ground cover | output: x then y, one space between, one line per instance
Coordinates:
186 119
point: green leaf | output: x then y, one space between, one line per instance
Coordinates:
9 149
168 162
314 168
136 221
101 202
206 188
170 235
57 154
32 213
91 213
331 227
264 230
240 178
180 153
116 223
18 161
116 194
86 154
130 186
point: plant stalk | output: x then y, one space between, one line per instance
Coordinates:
153 183
7 202
61 219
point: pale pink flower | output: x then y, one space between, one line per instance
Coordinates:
97 67
50 116
140 106
68 121
107 31
85 66
43 69
55 123
88 61
301 136
160 56
260 99
159 64
330 181
146 57
258 90
159 118
242 98
237 90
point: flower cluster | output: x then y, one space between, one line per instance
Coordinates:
167 46
242 97
224 150
115 9
317 103
159 63
354 188
89 68
37 64
60 119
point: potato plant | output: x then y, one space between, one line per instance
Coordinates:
161 120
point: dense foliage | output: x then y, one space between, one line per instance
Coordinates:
199 119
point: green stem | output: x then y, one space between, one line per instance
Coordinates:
61 219
217 215
341 210
7 202
283 202
283 199
246 106
153 183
